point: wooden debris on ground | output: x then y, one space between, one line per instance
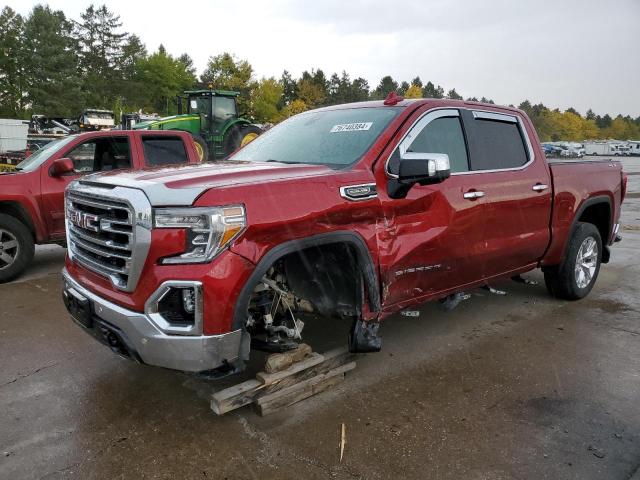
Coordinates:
288 378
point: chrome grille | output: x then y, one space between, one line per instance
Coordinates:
108 231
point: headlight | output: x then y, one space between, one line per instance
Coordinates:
209 230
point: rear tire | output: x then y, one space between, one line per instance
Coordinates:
577 275
239 136
16 247
202 149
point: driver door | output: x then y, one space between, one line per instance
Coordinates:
432 243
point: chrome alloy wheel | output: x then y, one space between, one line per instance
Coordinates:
9 249
586 262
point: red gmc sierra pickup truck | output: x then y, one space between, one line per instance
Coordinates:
355 211
32 197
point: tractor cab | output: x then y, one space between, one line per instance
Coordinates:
214 107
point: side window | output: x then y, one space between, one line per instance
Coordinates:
101 154
441 135
498 145
83 157
164 150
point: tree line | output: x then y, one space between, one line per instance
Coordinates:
57 66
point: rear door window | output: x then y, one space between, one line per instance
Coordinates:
164 150
496 142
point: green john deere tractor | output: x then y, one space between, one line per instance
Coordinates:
212 119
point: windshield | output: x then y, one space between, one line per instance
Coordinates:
42 155
335 138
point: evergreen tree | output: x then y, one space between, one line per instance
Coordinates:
453 95
431 91
404 86
101 59
187 61
13 75
385 87
53 85
359 90
289 89
417 82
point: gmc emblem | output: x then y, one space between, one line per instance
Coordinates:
84 220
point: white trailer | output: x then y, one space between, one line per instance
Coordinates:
13 135
635 147
601 148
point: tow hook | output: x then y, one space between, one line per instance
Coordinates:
364 337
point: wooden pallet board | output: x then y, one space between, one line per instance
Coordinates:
294 376
299 391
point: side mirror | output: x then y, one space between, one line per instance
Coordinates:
423 168
61 166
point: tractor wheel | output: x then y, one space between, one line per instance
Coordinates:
249 133
238 137
201 148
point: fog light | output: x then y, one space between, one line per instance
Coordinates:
189 300
177 307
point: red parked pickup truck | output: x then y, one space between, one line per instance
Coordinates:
32 198
356 211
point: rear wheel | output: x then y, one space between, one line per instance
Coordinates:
239 136
16 247
575 278
201 148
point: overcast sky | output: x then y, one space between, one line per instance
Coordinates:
564 53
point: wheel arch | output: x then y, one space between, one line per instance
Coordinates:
236 122
356 242
17 211
591 211
598 211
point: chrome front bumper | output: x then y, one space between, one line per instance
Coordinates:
133 334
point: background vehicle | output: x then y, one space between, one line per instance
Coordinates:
91 120
634 147
551 150
356 211
212 119
602 148
32 197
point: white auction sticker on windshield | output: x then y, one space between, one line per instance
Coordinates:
351 127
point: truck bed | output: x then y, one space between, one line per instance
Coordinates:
576 183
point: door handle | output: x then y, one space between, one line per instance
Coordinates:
539 187
473 194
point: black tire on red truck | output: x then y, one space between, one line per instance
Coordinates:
16 247
575 278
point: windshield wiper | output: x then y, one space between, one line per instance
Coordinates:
282 161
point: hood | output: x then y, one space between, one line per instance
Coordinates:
181 185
